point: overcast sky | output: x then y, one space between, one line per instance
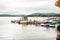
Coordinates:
28 6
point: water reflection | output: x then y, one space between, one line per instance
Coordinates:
37 31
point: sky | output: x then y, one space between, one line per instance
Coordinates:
28 6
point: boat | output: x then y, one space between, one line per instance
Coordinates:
53 24
25 20
46 24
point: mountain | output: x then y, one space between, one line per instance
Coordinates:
9 15
33 15
44 15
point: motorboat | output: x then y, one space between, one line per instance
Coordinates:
45 24
53 24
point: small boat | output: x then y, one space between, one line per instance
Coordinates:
12 21
25 20
53 24
46 24
15 21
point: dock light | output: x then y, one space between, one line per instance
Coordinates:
57 3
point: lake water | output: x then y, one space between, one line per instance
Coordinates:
11 31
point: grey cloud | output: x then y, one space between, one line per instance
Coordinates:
4 8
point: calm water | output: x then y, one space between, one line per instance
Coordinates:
10 31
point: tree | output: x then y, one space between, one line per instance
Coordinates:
57 3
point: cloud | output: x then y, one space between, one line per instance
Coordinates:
27 6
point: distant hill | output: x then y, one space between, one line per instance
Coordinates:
33 15
9 15
44 15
